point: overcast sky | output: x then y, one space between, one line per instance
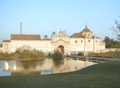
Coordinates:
46 16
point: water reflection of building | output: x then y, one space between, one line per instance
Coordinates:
36 67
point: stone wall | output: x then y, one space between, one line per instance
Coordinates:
6 47
42 45
1 49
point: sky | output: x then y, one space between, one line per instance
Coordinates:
46 16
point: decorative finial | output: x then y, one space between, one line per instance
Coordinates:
60 30
64 30
86 26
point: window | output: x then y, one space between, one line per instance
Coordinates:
96 41
89 41
6 46
81 41
84 34
75 41
88 34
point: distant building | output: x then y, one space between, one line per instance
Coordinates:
83 41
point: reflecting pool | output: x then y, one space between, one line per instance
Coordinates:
47 66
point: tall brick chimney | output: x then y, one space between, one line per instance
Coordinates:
21 28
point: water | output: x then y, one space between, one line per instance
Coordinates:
47 66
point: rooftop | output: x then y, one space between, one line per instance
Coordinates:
6 40
25 37
86 29
0 45
77 35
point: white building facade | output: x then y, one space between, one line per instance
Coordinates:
83 41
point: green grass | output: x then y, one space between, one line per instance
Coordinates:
104 75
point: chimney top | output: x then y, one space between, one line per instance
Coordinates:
21 28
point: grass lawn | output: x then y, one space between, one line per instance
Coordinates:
104 75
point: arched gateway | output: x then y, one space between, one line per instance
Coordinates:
61 48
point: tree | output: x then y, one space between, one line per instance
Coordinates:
116 29
111 43
54 33
45 37
107 42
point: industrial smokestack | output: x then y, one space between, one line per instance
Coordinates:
21 28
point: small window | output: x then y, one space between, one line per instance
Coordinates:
88 34
75 41
6 46
84 34
88 40
96 41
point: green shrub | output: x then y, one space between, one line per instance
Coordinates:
110 54
80 54
57 55
31 54
24 54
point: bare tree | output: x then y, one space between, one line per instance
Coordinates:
116 29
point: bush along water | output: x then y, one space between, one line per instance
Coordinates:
110 54
31 54
21 53
57 55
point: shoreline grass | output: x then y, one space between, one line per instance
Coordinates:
57 55
110 54
23 54
103 75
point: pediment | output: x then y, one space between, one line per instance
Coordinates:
61 40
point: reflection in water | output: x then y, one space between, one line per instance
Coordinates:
48 66
6 65
58 63
14 67
29 64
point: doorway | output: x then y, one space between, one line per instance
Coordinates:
61 48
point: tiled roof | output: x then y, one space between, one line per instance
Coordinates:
25 37
6 40
0 45
86 29
77 35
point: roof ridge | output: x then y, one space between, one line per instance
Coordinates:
25 34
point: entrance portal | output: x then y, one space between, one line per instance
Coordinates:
61 48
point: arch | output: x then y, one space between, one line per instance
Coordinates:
61 47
